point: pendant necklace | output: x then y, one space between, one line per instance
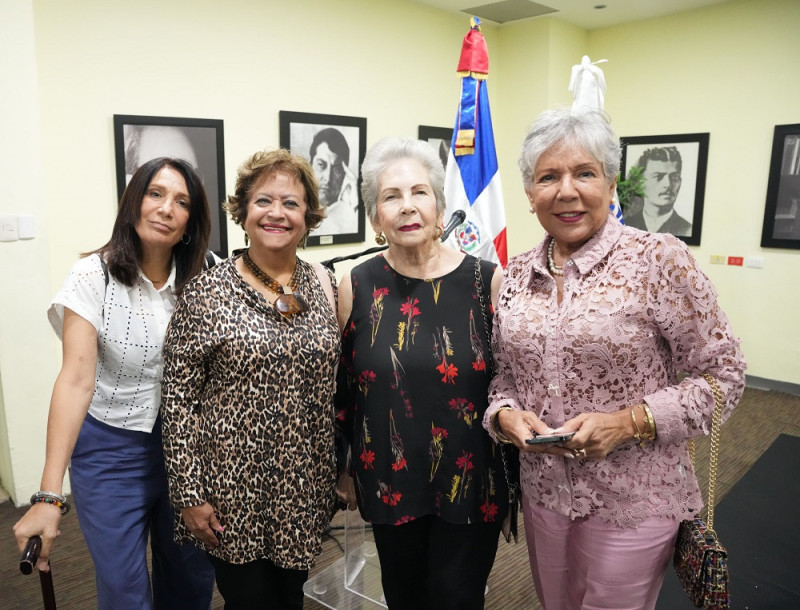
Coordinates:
288 303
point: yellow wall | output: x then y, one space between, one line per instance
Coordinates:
729 70
536 59
240 61
29 356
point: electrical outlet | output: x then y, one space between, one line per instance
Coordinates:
738 261
718 259
756 262
26 227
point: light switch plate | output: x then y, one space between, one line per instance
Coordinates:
8 228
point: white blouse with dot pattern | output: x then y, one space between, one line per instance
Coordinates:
131 322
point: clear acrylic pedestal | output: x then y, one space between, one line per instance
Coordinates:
354 581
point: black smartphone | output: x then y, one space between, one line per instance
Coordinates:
550 438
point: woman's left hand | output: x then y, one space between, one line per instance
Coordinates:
346 491
597 434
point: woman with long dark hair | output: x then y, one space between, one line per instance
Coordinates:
111 315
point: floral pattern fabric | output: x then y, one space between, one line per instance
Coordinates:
636 311
412 389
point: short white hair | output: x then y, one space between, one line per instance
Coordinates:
387 151
586 128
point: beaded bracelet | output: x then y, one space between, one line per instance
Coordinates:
48 497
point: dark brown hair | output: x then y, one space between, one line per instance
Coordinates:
123 252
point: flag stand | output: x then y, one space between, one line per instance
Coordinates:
354 578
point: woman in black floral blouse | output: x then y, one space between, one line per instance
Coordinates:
247 398
413 388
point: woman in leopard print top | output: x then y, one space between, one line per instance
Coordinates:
247 397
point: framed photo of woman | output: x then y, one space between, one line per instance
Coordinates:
138 139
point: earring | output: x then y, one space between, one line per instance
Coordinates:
188 239
246 239
380 239
532 210
437 233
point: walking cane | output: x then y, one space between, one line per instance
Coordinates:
27 564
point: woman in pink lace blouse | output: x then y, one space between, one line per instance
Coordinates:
594 328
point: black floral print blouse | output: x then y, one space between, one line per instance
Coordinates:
412 390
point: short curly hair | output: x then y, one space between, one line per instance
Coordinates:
264 163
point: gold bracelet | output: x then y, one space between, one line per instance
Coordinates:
651 422
496 427
637 435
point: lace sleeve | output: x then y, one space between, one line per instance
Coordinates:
502 389
701 339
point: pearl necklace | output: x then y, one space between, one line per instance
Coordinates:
551 262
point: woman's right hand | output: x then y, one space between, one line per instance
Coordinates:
42 519
517 426
69 404
202 522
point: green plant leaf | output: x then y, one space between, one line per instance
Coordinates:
633 186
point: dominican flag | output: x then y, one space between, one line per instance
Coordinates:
472 182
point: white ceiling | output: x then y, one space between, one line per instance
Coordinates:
582 13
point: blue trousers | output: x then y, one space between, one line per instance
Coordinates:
119 487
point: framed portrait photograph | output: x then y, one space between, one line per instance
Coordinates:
438 137
335 146
673 183
137 139
782 212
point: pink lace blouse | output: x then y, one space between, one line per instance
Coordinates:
636 311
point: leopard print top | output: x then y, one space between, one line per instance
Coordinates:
247 407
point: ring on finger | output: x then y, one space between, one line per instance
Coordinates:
579 453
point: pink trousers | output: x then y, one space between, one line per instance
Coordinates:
590 564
